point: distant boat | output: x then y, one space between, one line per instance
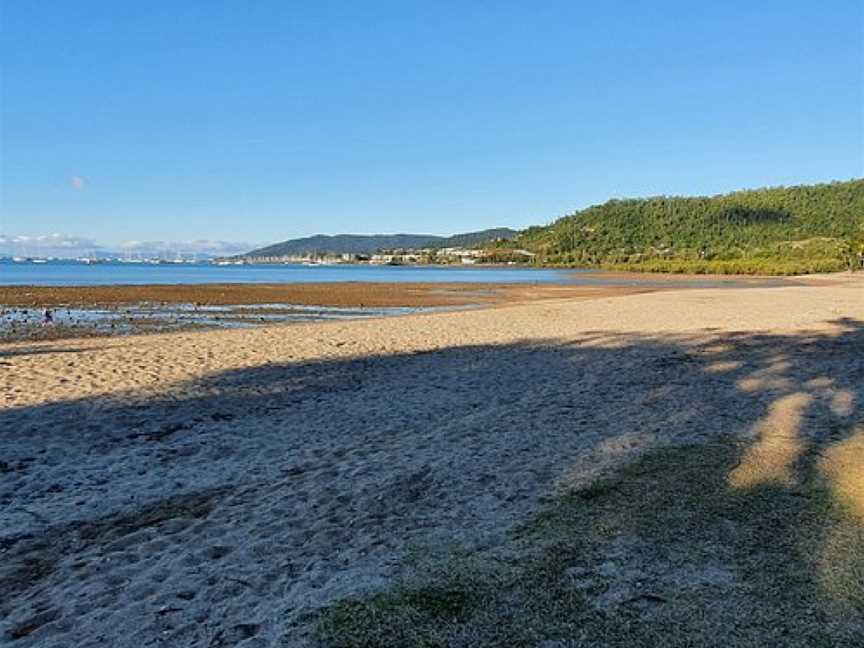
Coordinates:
39 260
19 259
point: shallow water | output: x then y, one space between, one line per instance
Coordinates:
143 317
71 273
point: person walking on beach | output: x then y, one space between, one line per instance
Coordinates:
47 317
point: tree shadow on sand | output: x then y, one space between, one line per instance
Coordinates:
752 537
613 490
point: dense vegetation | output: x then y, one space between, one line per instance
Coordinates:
783 230
368 244
474 239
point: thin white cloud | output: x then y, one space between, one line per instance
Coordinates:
67 246
78 182
188 247
49 240
48 245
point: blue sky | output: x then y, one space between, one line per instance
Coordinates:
260 121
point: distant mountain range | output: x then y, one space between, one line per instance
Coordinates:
369 244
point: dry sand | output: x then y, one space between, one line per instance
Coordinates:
218 488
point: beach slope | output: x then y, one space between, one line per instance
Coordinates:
232 487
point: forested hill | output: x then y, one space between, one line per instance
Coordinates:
368 244
473 239
797 229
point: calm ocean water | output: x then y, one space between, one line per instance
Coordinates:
67 273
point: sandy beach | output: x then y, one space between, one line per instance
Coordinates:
220 488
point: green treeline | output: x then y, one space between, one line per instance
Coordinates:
783 230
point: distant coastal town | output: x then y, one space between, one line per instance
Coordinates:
401 256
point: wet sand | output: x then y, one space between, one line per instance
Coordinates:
312 294
98 311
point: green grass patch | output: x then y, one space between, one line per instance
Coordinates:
665 552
